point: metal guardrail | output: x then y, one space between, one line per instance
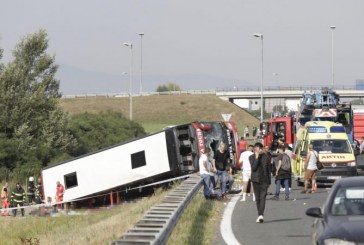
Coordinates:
157 224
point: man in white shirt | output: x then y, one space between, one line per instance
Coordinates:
246 132
205 168
245 163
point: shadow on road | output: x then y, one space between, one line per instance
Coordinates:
282 220
299 236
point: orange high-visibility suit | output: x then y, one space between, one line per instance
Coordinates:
5 201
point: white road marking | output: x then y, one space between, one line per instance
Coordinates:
225 226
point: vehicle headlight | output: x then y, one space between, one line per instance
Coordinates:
352 164
336 241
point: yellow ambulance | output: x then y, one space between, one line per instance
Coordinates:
331 142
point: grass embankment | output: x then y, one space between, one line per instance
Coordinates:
198 224
92 227
158 111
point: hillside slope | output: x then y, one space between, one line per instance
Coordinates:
157 111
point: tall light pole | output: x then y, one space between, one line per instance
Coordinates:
141 34
130 45
332 53
261 81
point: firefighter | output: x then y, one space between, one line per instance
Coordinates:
5 200
18 198
38 192
31 191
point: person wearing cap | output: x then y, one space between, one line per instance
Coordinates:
18 198
31 191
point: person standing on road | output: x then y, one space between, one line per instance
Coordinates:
59 194
242 145
247 170
221 161
288 151
205 167
310 168
362 145
283 173
31 191
254 131
5 200
246 131
260 177
18 199
38 192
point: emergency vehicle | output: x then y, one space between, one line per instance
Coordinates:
325 105
334 150
278 130
358 119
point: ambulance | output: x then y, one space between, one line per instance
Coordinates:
334 150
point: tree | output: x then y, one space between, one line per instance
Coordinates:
31 121
97 131
168 87
281 109
256 113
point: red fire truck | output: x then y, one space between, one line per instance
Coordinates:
278 130
358 119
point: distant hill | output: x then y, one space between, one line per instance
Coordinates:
158 111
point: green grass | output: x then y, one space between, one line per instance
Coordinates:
199 223
158 111
92 227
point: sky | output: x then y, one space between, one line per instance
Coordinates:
198 45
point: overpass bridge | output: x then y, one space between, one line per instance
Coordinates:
286 93
273 96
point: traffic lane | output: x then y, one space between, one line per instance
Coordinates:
285 222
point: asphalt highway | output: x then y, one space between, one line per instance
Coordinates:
285 222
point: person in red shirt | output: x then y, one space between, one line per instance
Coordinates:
242 145
5 200
59 194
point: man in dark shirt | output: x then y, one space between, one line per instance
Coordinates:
222 159
260 177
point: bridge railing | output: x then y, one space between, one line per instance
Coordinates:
207 91
286 88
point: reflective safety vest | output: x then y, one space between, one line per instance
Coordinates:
38 191
18 195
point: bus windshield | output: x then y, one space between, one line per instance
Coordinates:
331 146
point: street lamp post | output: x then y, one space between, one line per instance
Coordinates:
332 53
141 34
261 81
130 80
